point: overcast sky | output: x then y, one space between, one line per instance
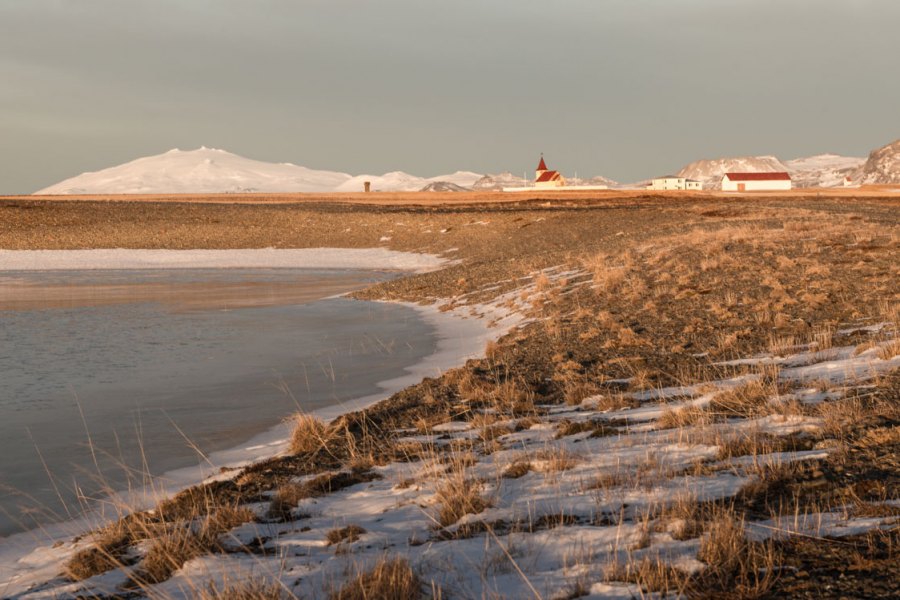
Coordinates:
622 88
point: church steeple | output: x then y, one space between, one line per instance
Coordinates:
542 166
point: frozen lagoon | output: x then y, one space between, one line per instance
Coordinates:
113 374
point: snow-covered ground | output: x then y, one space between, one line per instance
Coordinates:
262 258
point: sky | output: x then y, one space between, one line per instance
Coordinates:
628 89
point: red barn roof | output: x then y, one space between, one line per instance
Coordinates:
548 175
773 176
542 166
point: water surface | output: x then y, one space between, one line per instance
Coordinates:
108 376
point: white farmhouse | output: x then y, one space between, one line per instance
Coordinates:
756 182
673 182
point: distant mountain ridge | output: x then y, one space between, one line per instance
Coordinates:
211 171
821 170
710 171
207 170
882 166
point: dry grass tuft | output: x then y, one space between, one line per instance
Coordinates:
616 401
458 496
556 459
308 434
290 494
104 555
735 565
254 588
683 417
745 401
348 534
168 552
889 350
389 579
650 574
520 468
190 536
185 540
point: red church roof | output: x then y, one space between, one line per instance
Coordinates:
542 166
547 175
773 176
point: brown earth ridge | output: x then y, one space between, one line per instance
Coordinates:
624 294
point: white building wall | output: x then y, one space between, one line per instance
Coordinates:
767 185
667 183
673 183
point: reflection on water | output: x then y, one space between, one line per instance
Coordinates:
157 362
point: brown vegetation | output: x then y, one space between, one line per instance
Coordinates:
388 579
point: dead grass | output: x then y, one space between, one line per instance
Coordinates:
459 495
745 401
616 401
388 579
289 495
348 534
651 574
182 541
308 433
555 459
168 552
889 350
171 544
253 588
103 555
519 468
685 416
736 566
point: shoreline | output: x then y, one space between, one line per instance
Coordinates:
458 337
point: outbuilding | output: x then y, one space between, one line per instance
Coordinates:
674 182
756 182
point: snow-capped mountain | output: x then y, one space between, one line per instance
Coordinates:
398 181
444 186
710 171
464 179
882 166
498 181
822 170
395 181
205 170
598 180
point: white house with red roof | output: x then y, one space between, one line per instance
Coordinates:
756 182
545 178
